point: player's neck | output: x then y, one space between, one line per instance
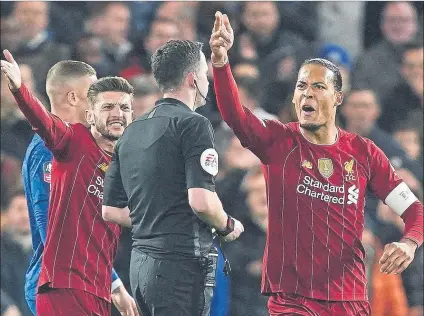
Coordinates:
105 144
65 114
324 136
182 96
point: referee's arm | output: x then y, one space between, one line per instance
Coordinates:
201 167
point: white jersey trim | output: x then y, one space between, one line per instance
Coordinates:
400 198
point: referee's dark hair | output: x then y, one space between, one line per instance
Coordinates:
108 84
173 61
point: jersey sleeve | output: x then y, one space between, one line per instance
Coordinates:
390 188
114 193
39 166
200 156
384 182
255 134
55 132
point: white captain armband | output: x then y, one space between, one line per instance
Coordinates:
115 284
400 198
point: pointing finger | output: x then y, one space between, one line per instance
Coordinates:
227 24
8 56
218 21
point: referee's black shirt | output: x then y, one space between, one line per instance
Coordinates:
158 158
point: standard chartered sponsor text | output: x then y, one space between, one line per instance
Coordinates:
309 186
97 188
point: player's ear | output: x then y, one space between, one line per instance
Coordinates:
72 98
339 98
89 117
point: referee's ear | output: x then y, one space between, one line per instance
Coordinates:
191 77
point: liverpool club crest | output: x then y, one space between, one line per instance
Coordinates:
348 166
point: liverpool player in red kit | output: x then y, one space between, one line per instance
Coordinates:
316 175
75 277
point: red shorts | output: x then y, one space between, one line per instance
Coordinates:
292 304
68 302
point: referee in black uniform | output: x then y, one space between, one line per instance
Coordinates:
163 170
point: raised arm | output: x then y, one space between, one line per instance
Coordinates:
253 132
55 132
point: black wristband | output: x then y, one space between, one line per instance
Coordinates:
228 229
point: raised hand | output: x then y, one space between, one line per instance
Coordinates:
11 71
222 39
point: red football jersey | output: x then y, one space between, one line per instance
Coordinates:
316 196
80 245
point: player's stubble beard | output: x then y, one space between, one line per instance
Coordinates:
311 127
102 129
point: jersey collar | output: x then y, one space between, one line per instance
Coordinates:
173 102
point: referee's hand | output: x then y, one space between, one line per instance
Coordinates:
238 229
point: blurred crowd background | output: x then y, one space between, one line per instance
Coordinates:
377 45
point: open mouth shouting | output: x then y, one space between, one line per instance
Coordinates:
307 110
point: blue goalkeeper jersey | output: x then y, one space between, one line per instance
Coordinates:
36 173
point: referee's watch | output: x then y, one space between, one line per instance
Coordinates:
228 229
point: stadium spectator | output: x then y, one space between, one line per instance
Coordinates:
89 49
15 253
146 93
300 18
116 22
94 21
11 35
160 31
408 96
262 34
184 13
360 111
378 68
37 48
342 23
408 137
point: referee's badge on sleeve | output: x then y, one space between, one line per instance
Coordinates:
209 161
47 172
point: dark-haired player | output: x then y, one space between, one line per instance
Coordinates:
79 246
316 176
